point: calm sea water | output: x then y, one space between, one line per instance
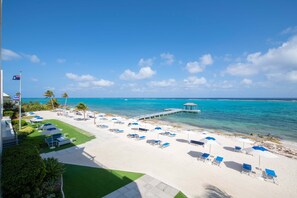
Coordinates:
278 117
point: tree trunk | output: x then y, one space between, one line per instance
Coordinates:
52 103
84 115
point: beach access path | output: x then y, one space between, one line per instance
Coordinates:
177 165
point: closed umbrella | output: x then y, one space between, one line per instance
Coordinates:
261 152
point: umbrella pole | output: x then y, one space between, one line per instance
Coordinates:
259 161
189 138
209 148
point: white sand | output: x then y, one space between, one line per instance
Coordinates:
178 166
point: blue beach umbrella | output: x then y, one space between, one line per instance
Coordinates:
261 152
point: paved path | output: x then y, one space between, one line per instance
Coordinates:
146 187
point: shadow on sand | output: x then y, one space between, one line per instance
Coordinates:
182 141
195 154
215 192
228 148
233 165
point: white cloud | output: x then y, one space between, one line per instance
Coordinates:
283 76
102 83
88 81
168 58
223 85
199 66
241 69
290 30
144 72
33 58
146 62
162 83
195 81
8 55
61 60
282 59
76 77
246 81
34 79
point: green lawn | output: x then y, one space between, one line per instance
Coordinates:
180 195
81 136
82 181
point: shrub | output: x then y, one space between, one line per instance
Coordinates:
54 169
16 122
27 130
23 171
8 113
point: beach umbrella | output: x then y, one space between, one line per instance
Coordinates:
158 128
261 152
209 140
245 140
51 131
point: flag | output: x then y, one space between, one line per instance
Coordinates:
16 77
16 98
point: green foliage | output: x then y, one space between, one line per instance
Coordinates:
81 107
54 169
36 106
23 171
53 102
8 113
26 130
180 195
16 122
50 94
8 105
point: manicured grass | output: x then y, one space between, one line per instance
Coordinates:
180 195
81 136
82 181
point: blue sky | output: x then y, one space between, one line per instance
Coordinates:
151 48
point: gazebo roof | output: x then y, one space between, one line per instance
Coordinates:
190 104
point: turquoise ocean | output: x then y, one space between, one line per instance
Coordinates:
262 116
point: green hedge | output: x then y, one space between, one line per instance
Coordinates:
23 171
16 122
8 113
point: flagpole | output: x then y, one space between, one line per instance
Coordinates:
20 102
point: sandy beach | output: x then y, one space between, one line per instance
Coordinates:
178 166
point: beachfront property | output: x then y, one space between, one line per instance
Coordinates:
102 99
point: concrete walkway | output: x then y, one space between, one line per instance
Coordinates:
146 187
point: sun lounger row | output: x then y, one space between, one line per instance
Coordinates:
216 161
268 174
136 136
158 142
168 134
116 130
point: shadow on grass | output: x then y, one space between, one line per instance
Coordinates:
233 165
215 192
84 181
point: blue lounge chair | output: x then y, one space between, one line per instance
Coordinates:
134 135
141 137
119 131
270 175
237 149
204 156
246 168
164 145
218 160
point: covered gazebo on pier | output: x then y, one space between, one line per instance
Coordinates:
190 106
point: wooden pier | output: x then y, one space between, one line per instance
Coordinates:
166 112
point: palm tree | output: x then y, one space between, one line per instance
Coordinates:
65 95
82 107
50 94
